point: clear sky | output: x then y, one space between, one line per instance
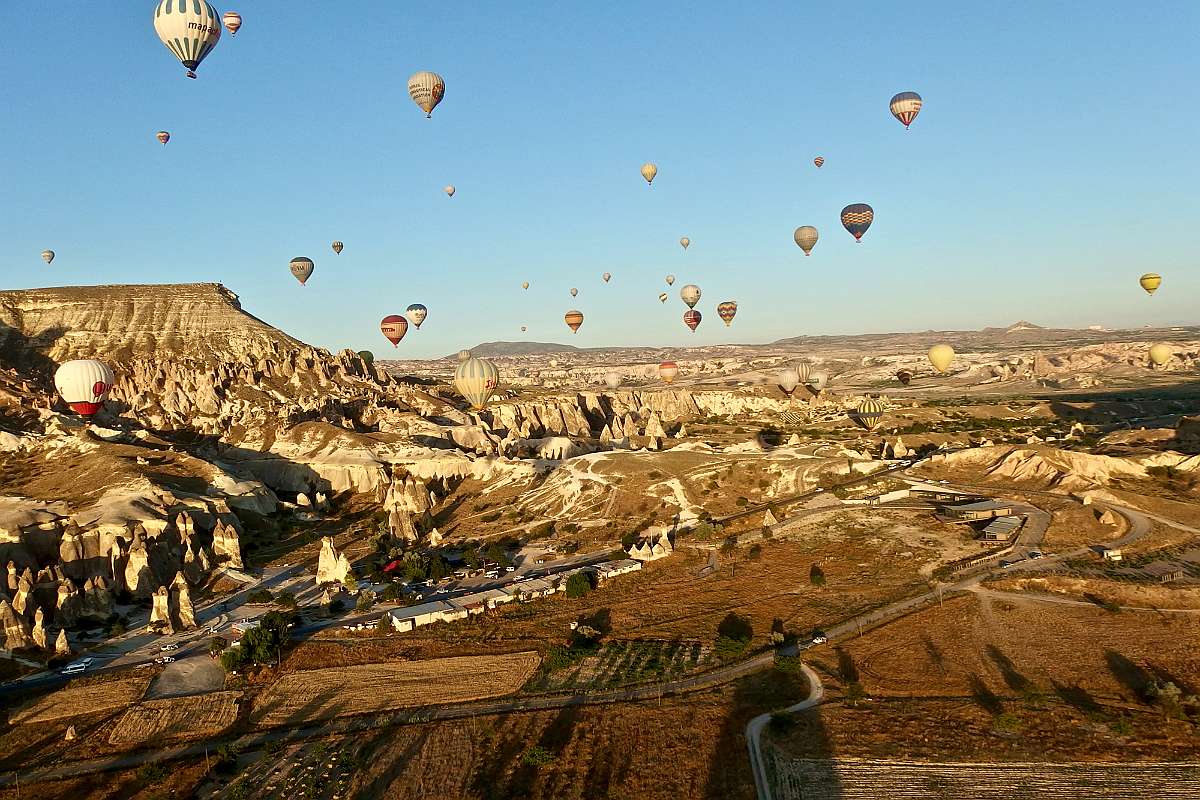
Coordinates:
1054 162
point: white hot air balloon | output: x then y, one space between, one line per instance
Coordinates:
84 385
189 28
606 277
612 380
427 90
806 238
690 294
819 380
476 379
47 256
788 380
670 280
449 190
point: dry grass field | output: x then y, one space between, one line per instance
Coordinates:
82 697
1143 595
1073 525
191 717
1006 681
363 689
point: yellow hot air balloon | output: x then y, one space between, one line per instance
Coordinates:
685 242
1160 354
941 356
573 319
476 380
806 238
1150 282
869 413
649 171
525 285
427 90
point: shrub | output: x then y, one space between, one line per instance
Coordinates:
365 601
286 600
788 665
816 575
741 502
260 596
337 606
152 773
578 585
536 756
1007 722
855 692
755 552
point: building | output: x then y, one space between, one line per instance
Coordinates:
611 569
245 625
1110 553
651 548
937 493
1164 571
978 511
1001 529
405 619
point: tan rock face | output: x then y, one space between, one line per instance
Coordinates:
160 611
16 630
38 633
183 615
332 565
61 646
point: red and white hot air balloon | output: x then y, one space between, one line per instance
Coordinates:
692 318
819 161
667 370
393 327
232 21
84 385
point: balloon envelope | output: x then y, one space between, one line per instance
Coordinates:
819 161
449 190
726 311
692 318
525 285
869 413
606 277
667 370
83 385
670 280
574 291
337 247
426 90
788 380
393 327
302 268
690 294
476 379
819 380
612 380
189 29
685 242
856 218
163 136
806 238
1150 282
662 298
1160 354
417 313
573 319
941 356
904 376
905 107
649 171
233 22
47 256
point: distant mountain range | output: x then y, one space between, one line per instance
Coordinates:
493 349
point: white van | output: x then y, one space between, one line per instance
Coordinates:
73 669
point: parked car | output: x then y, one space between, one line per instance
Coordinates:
819 637
73 669
510 569
166 648
1035 553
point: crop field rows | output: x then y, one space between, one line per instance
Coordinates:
195 716
620 663
80 698
319 771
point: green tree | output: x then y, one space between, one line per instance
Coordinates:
350 582
262 595
536 756
816 575
365 601
578 585
216 646
286 600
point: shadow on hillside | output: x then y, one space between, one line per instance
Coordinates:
30 354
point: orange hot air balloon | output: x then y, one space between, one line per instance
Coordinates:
692 318
573 319
819 161
163 136
726 311
667 370
393 327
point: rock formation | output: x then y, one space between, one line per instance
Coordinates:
38 634
61 646
332 565
16 630
160 611
183 615
226 545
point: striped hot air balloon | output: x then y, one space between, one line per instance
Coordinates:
393 327
163 136
726 311
667 370
476 380
662 298
856 218
803 373
573 319
692 318
233 22
189 28
869 413
84 385
337 247
427 90
47 256
417 313
1150 282
905 376
806 238
819 161
905 107
302 268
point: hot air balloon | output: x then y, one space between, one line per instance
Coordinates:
788 380
553 362
573 319
905 376
1150 282
476 379
806 238
685 242
83 385
1160 354
819 161
726 311
662 298
367 356
302 268
941 355
905 107
525 285
449 190
190 30
690 294
667 370
670 280
819 380
803 373
869 413
649 171
337 247
163 136
606 277
47 256
427 90
612 380
574 292
233 22
856 218
692 318
393 327
463 355
417 313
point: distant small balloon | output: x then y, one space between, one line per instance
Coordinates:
606 277
819 161
612 380
163 136
941 356
649 171
574 292
670 280
1150 282
692 318
667 370
806 238
726 311
449 190
523 329
337 247
233 22
905 107
905 376
47 256
1160 354
525 285
573 319
302 268
685 242
662 298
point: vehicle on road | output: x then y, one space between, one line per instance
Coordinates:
166 648
1034 554
1007 564
510 569
819 637
164 660
72 669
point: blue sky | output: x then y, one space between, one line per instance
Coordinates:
1053 163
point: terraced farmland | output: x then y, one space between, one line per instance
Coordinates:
79 698
195 716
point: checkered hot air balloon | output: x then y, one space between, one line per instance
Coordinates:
692 318
869 413
806 238
189 28
393 327
856 218
726 311
905 107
